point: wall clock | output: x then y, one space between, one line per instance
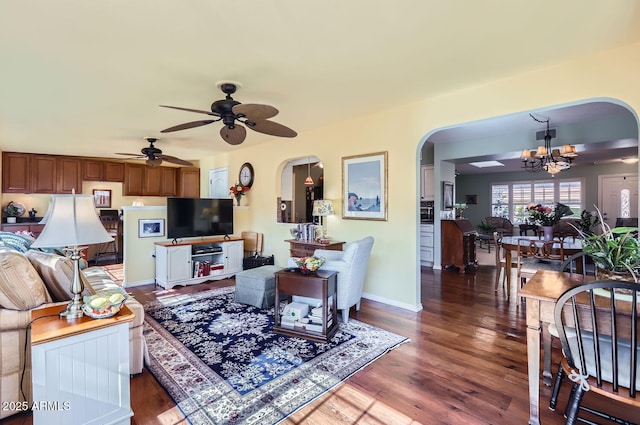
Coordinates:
246 174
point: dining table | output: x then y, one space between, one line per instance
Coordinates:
541 293
570 246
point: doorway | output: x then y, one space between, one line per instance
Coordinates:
618 197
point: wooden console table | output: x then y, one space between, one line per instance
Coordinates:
298 248
320 284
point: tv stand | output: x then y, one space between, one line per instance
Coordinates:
189 262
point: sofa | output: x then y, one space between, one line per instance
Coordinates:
34 279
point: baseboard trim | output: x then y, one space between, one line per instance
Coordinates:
394 303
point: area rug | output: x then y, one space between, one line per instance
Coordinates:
222 364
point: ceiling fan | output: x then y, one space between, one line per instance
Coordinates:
154 156
232 113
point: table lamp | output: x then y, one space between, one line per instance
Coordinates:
322 208
71 222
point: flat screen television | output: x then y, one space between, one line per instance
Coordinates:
194 217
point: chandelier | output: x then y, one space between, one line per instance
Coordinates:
544 158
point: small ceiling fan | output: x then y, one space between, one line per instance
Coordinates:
154 156
232 113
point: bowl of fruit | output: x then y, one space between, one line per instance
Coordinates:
104 304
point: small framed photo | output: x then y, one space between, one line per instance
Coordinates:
447 195
364 186
150 228
102 198
470 199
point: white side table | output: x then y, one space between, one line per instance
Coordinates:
80 369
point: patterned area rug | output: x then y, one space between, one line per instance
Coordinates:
222 364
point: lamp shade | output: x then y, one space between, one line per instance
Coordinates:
322 207
71 221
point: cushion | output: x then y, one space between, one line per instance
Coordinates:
20 286
56 272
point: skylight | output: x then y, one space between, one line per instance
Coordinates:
485 164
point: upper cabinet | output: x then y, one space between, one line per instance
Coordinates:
426 183
29 173
102 171
36 173
189 182
16 177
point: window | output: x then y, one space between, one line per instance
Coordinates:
510 200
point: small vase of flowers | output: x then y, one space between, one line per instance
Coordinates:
238 191
308 265
547 217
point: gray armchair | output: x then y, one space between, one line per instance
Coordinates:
351 265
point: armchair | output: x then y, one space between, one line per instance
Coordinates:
351 265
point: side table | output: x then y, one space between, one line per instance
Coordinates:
320 284
80 368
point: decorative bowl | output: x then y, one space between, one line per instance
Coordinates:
104 304
308 265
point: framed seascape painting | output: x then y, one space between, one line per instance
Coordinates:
364 186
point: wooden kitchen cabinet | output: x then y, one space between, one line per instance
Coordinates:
16 177
69 175
188 182
152 181
93 170
113 171
169 185
134 179
44 173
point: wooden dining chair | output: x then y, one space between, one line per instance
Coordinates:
534 255
501 263
597 323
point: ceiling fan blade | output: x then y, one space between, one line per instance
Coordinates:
131 154
199 111
233 136
187 125
254 111
273 128
154 162
173 159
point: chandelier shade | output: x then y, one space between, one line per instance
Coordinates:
551 160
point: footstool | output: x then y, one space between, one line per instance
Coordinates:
256 287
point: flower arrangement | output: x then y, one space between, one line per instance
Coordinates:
238 189
308 264
547 216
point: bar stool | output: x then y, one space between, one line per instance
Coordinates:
109 249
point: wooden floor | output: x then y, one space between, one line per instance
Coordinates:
466 364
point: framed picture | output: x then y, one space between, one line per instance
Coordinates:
470 199
364 186
447 195
102 198
149 228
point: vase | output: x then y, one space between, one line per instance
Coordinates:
11 219
238 198
547 232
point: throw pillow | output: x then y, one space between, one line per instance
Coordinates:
20 286
56 272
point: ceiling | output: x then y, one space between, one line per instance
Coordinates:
85 77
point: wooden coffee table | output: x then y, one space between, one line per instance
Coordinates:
320 285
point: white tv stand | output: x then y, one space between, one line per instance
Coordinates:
177 263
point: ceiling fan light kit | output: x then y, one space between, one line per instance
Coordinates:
233 113
545 158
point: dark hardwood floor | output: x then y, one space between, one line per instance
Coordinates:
466 364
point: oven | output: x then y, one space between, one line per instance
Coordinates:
426 211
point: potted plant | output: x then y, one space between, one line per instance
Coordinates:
614 251
485 228
588 220
12 211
